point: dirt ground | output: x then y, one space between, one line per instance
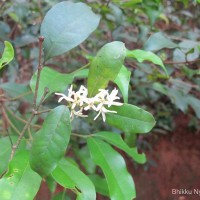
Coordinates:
177 156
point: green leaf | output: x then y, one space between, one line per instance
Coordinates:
55 81
126 4
116 140
100 184
61 196
105 66
179 96
8 54
160 88
120 182
19 125
65 26
83 155
50 142
142 55
158 41
14 89
20 182
195 104
122 80
131 119
5 146
70 176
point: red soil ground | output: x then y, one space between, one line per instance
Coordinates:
177 156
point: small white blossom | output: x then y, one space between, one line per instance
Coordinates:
77 114
90 103
102 110
78 101
63 96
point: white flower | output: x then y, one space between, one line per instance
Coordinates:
90 103
77 114
82 91
110 98
63 96
79 100
102 111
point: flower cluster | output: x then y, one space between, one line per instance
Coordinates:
78 101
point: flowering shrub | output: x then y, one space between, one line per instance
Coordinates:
43 155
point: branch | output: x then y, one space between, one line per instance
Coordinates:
21 119
182 62
35 106
43 111
27 124
41 39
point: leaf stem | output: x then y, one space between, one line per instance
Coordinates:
82 136
83 67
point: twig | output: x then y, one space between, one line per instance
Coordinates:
17 97
83 67
20 96
43 111
27 125
35 106
172 37
84 49
29 133
21 119
183 62
11 124
41 40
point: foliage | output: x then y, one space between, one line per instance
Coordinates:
63 144
8 54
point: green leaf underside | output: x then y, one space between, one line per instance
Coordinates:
105 66
158 41
142 55
70 176
116 140
55 81
120 182
131 119
83 155
14 89
8 54
65 26
50 142
122 80
100 184
181 100
20 182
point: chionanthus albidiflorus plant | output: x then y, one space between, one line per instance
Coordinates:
42 153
